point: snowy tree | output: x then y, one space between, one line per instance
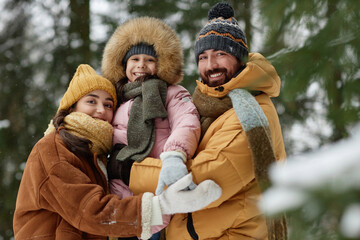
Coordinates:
315 48
320 191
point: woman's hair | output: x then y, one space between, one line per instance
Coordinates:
77 145
119 86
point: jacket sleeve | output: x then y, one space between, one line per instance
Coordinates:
68 191
225 158
119 123
184 121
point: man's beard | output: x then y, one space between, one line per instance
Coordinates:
205 77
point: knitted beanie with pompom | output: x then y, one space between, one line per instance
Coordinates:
222 32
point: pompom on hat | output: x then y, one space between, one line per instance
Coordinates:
222 32
85 80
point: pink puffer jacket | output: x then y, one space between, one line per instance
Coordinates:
180 131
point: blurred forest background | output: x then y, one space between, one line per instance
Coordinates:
313 44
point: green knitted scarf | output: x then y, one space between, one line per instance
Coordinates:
210 108
149 103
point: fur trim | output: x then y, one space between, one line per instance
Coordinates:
146 213
149 30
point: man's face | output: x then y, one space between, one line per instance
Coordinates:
217 67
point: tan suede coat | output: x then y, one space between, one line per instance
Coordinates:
62 196
224 156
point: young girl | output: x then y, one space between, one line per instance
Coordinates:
156 117
63 191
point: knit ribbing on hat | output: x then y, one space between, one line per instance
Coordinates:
85 80
141 48
222 32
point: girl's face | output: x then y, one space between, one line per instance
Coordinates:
140 65
97 104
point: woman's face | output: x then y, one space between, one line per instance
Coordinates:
97 104
140 65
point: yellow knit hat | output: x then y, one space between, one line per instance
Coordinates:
85 80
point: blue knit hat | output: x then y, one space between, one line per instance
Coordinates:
222 32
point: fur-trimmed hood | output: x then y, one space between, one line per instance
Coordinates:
151 31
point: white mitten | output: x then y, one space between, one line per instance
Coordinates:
175 200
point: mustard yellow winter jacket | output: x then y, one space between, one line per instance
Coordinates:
223 155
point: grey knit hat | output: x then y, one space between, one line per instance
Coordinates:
222 32
141 48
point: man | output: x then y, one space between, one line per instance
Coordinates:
241 136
